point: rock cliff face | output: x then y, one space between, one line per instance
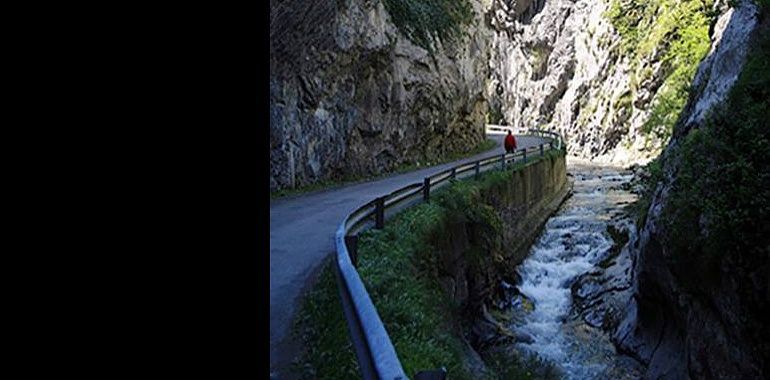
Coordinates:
716 331
557 65
351 94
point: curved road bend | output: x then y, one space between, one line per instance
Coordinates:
302 235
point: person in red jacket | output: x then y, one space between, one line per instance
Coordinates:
510 143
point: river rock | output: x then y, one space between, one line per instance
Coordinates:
600 296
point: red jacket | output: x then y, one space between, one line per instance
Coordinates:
510 142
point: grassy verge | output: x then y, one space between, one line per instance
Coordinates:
484 146
398 266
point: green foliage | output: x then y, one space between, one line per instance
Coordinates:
539 57
464 204
624 102
425 20
631 18
676 33
720 202
586 111
398 266
495 116
412 306
322 322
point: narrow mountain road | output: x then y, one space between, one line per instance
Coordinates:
302 235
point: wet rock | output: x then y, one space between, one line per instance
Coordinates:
521 304
623 368
506 294
585 288
595 317
488 331
522 337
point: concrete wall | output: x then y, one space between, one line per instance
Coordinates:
527 201
481 242
488 229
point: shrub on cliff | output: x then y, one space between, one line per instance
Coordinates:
672 32
722 190
425 20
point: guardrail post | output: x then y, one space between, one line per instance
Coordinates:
525 155
454 170
379 213
426 189
478 168
541 149
502 162
351 241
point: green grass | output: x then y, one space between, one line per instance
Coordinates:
412 306
321 327
484 146
398 266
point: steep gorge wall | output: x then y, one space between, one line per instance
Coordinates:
350 94
562 65
701 301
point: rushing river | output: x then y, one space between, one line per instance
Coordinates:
573 242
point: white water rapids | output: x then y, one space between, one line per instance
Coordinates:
572 243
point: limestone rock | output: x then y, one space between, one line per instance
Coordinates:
554 67
351 95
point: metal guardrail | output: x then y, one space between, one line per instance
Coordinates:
495 129
376 355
